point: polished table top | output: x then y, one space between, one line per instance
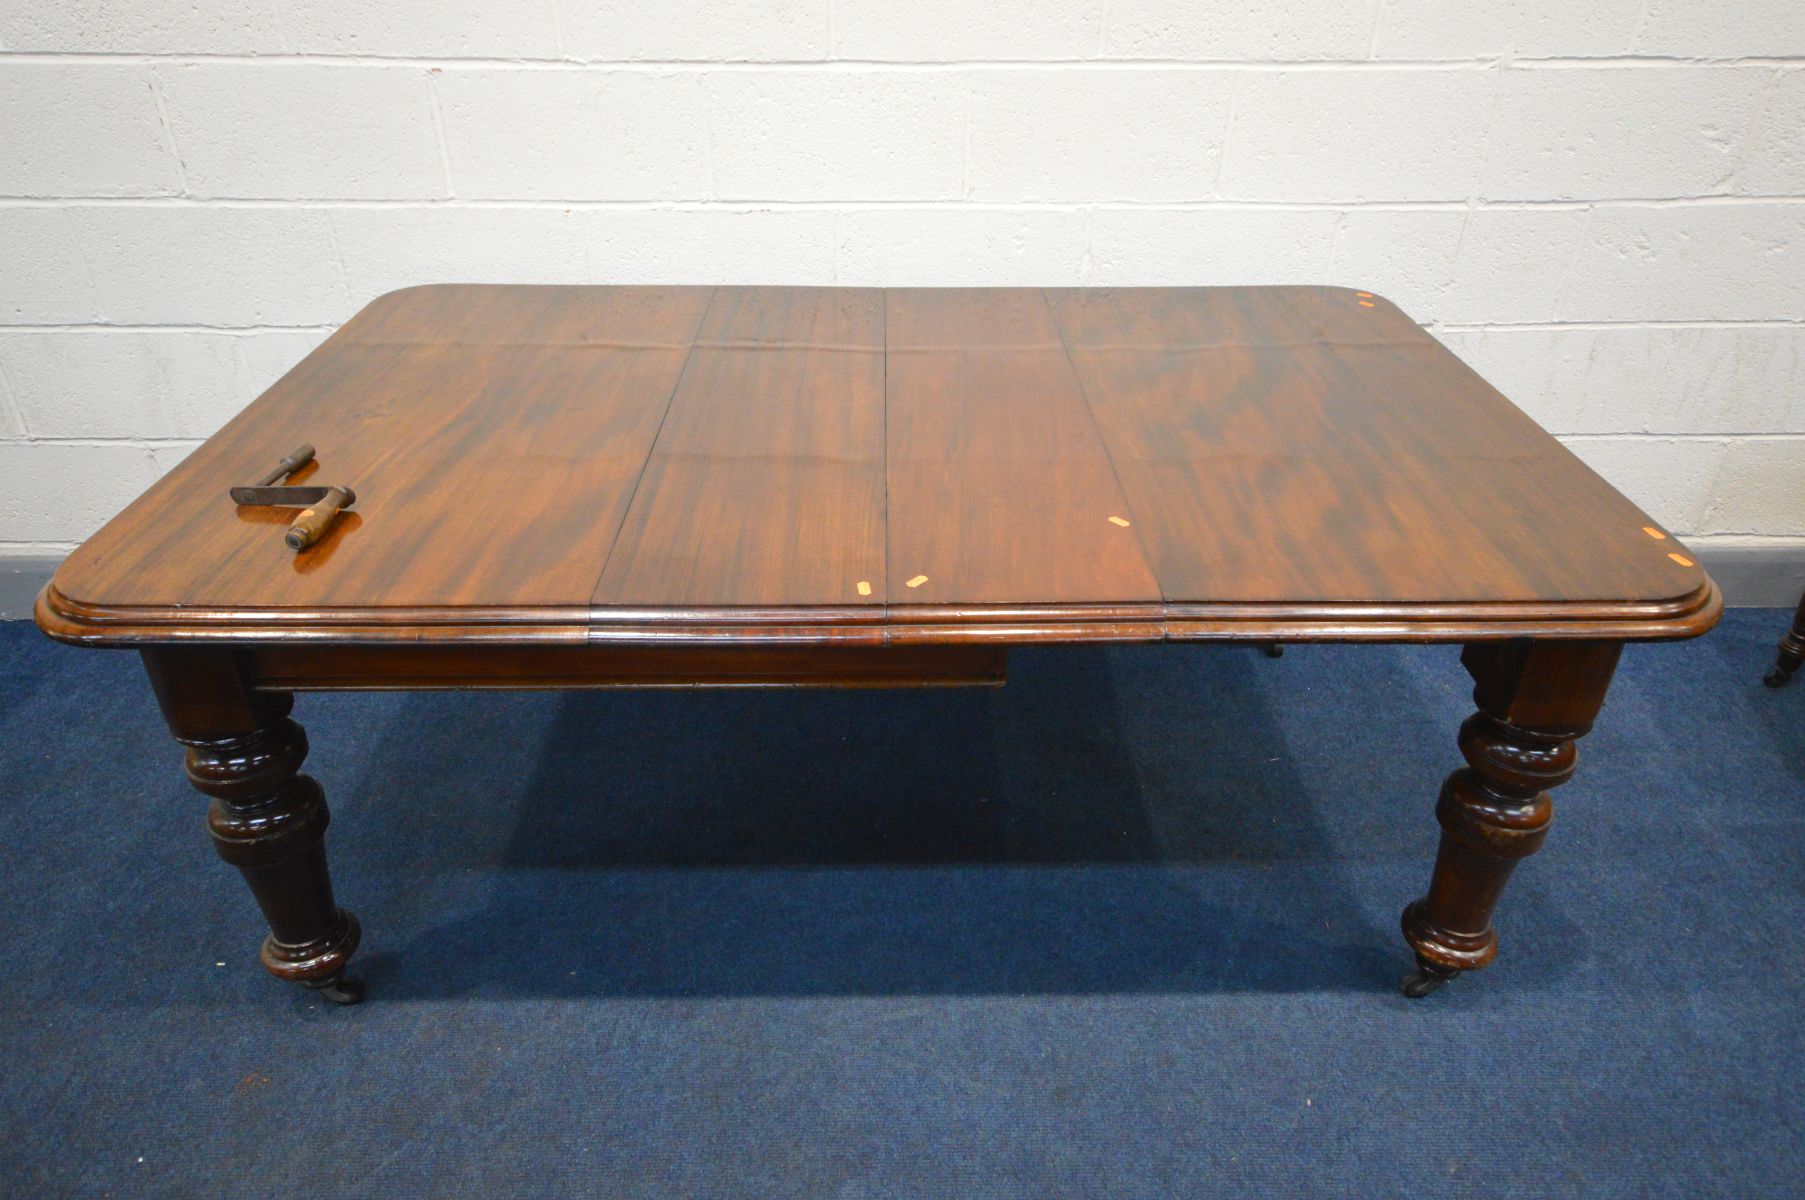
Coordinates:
807 465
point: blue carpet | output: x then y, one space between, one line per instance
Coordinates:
1126 927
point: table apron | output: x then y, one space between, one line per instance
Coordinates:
389 668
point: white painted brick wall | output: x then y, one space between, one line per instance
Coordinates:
809 135
969 247
449 28
1126 135
38 495
574 135
1633 379
696 31
42 276
1580 134
1240 29
145 384
1741 262
1775 160
83 133
12 425
712 245
1510 266
1722 29
1438 29
1600 206
282 131
959 30
1210 245
1343 136
388 248
211 265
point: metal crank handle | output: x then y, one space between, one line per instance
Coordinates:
293 461
311 525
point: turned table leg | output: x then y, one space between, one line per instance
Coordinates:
266 819
1792 650
1535 700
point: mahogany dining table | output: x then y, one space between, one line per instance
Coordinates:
576 487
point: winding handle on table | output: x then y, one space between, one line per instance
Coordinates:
291 462
311 525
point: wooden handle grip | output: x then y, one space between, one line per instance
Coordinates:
311 525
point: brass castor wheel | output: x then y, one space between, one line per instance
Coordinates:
340 991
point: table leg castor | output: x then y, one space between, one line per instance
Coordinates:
339 991
1792 651
1425 979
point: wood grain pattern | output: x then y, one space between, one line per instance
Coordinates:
1000 490
1290 442
766 486
493 436
815 467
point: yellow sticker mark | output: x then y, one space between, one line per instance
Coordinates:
864 587
1122 521
1654 533
1366 304
1681 559
917 581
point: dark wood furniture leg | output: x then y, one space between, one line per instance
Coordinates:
1535 700
1792 650
266 819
